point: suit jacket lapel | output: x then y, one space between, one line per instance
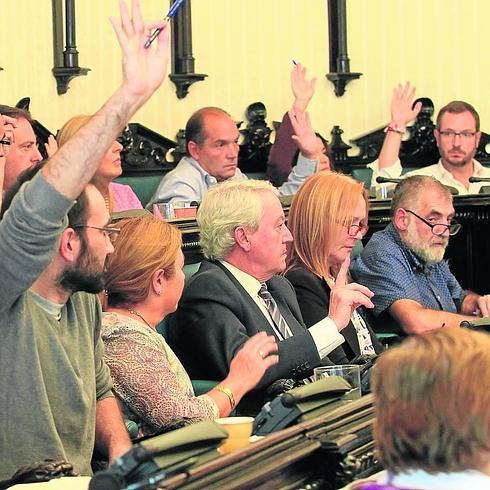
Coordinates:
257 317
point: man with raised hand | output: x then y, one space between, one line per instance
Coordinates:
56 390
457 135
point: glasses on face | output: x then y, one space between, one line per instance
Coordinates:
4 146
108 231
438 229
450 135
354 229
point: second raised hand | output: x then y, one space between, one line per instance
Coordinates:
304 136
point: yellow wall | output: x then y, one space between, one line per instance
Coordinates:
246 46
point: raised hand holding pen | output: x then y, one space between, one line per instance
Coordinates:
173 10
143 70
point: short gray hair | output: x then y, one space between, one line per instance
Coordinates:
408 191
225 207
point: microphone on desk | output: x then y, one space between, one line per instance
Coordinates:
386 180
479 179
383 180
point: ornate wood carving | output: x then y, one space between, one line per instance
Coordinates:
256 140
145 150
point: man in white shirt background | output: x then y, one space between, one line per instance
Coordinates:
457 135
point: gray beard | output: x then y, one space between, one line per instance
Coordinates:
428 254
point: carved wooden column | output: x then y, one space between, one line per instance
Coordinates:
183 75
65 62
340 74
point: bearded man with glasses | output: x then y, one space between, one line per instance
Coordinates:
457 135
57 400
404 264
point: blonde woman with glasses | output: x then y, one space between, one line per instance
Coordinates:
328 216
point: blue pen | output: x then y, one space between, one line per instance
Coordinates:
173 10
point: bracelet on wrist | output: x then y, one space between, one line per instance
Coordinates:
395 128
226 391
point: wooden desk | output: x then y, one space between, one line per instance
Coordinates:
327 451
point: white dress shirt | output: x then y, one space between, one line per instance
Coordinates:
437 171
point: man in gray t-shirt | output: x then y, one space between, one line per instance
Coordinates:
56 392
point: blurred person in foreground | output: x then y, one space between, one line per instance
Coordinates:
432 427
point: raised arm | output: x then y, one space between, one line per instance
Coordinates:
308 159
282 152
71 168
304 136
401 114
302 88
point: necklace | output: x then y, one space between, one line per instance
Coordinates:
107 203
139 315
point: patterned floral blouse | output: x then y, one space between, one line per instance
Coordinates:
149 380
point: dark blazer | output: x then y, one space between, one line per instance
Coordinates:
313 295
216 316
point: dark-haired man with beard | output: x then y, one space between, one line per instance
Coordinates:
56 399
403 264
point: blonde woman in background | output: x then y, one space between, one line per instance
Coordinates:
117 197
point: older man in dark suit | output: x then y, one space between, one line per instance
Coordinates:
237 292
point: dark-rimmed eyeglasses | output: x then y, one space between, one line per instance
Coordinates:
110 232
438 229
354 229
450 135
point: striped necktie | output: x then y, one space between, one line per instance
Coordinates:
275 314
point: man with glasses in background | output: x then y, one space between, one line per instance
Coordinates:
457 136
24 152
404 263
